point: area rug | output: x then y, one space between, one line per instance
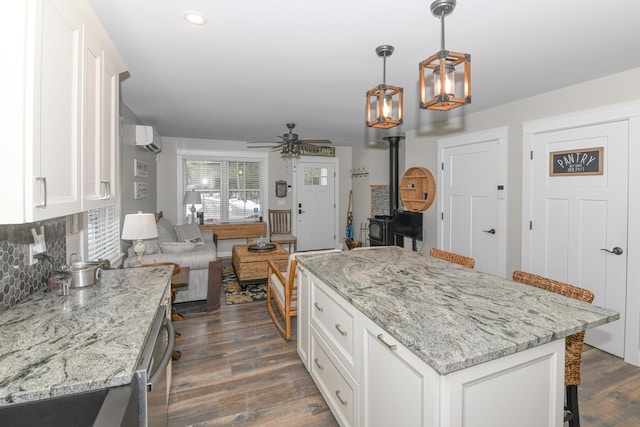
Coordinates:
233 293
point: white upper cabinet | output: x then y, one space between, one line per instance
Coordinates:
44 107
101 125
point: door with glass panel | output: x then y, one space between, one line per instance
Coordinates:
315 206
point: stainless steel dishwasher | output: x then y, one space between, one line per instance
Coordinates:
151 374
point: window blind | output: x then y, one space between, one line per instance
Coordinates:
231 189
103 233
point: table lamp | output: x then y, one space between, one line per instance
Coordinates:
138 227
192 198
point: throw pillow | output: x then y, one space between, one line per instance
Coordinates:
176 247
166 233
151 247
196 241
187 231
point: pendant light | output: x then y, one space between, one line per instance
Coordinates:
440 69
384 102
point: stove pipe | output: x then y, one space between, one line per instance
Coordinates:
394 154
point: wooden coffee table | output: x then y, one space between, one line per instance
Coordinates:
252 267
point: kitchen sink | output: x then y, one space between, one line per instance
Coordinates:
116 406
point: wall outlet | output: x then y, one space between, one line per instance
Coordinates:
32 252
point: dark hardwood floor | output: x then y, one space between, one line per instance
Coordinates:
236 370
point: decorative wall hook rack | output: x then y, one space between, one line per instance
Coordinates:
359 172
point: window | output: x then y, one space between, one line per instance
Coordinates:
231 189
316 176
103 233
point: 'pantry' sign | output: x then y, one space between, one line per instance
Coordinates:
586 161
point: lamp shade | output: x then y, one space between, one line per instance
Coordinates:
192 198
139 226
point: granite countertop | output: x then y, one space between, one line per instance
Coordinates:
91 339
450 316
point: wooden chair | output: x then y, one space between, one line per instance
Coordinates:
452 257
280 228
573 343
283 289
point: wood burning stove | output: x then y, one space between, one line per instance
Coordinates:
381 230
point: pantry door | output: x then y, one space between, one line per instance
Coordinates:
471 203
578 223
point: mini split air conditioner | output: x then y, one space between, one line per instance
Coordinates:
147 137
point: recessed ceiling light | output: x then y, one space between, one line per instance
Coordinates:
195 18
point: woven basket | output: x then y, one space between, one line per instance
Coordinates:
352 243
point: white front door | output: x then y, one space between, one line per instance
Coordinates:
315 205
471 192
576 219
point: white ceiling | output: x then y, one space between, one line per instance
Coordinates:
259 64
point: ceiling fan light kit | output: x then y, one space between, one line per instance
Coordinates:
384 102
439 70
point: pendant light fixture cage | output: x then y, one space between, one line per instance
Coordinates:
438 72
384 102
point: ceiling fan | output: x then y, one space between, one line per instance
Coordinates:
290 144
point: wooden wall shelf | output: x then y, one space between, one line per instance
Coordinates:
417 189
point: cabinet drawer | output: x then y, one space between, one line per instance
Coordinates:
338 389
335 322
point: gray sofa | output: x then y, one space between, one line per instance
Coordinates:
187 246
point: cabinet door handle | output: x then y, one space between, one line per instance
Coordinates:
390 346
344 402
318 306
106 187
318 364
343 333
43 179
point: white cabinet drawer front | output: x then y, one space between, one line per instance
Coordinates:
335 322
337 388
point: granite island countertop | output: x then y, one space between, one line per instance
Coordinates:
450 316
53 345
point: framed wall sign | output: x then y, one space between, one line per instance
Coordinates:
586 161
140 190
140 169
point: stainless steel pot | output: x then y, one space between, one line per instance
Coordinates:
85 273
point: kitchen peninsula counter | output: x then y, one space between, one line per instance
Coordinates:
450 316
91 339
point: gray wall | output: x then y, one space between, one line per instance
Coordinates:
128 152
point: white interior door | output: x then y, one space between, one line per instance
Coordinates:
574 218
315 209
471 193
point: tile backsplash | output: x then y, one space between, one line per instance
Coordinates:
18 279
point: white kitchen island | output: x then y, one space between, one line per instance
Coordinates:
392 337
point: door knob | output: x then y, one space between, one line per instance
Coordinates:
492 231
616 251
